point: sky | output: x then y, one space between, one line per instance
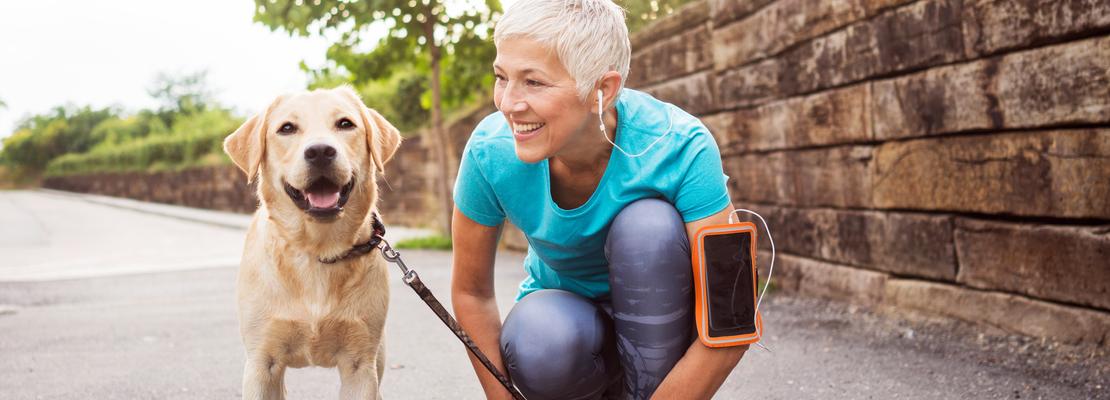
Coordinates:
108 52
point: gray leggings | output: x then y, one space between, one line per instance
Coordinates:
559 345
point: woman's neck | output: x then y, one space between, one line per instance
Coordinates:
589 152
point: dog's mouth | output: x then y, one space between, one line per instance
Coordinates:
322 198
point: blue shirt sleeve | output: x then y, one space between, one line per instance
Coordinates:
702 190
474 194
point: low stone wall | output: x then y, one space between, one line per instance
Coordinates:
218 188
947 156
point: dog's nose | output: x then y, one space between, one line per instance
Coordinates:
319 155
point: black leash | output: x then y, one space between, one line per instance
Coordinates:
413 280
410 278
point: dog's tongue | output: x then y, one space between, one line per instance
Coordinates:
323 194
323 200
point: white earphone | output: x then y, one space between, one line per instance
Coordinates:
601 119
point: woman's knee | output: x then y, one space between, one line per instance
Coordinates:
648 235
557 344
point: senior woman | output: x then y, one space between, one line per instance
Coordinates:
607 201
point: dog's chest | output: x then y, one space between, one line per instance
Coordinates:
325 342
310 328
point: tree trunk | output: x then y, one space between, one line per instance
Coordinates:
440 143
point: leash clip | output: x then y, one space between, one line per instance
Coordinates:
393 256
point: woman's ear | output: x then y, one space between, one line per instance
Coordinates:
609 85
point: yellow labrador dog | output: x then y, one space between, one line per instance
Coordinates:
315 156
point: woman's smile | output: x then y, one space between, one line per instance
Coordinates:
523 132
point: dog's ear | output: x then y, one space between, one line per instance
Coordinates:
382 138
247 145
388 138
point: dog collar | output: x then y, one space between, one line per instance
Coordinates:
361 248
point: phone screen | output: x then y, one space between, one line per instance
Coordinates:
731 297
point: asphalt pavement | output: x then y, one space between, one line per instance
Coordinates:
106 298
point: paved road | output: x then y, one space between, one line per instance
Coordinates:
98 300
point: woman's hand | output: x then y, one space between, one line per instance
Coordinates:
472 294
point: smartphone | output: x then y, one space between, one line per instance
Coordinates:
725 289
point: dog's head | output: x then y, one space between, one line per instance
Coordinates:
315 150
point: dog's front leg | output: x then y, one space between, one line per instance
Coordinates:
263 381
359 379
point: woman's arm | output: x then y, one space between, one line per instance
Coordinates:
702 370
472 294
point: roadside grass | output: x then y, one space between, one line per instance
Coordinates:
433 242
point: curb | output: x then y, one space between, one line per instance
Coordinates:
221 219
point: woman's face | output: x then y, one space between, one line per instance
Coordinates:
538 97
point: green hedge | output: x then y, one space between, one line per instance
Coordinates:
192 140
147 154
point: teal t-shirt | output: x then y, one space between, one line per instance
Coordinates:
566 247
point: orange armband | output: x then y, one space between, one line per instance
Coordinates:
725 285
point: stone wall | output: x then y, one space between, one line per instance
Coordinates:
945 156
219 187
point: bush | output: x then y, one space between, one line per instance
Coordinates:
194 140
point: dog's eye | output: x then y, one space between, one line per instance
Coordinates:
287 128
344 124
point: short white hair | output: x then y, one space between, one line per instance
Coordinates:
589 37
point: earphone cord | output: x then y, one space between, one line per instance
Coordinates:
770 270
601 119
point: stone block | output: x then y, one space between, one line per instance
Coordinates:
901 243
1050 173
1061 84
1012 313
1066 264
1064 84
693 93
673 57
834 117
815 278
838 116
940 100
913 245
779 26
873 7
724 129
750 85
760 178
685 18
993 26
724 11
832 177
923 33
918 35
761 129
